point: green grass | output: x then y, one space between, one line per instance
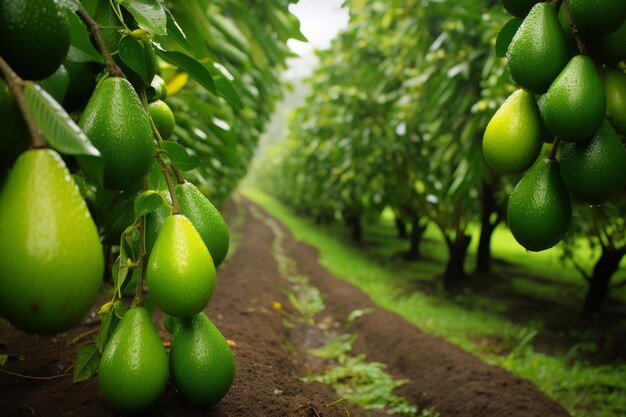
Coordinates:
477 323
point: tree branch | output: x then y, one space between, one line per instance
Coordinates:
16 85
582 49
112 68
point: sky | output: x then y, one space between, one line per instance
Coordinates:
320 20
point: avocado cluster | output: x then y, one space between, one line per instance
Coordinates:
52 260
181 278
572 93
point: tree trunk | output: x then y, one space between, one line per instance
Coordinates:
355 225
488 203
599 282
417 231
455 268
401 227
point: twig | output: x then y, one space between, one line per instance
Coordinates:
112 68
170 184
579 43
141 261
179 175
40 378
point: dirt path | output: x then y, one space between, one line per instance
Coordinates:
442 377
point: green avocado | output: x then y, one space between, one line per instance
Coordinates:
615 86
512 139
180 271
575 105
201 362
35 37
133 369
539 50
117 124
597 17
539 210
610 48
51 258
595 170
519 8
203 215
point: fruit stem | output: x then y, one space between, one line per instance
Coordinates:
170 183
16 84
118 14
553 149
141 261
582 49
179 175
112 68
144 102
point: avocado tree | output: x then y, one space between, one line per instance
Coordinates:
96 154
601 229
403 118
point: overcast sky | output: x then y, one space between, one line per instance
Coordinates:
320 20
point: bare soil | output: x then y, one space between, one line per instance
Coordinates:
443 378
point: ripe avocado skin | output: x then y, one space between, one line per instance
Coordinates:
35 37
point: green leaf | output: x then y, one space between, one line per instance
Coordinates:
506 36
4 358
69 4
120 271
133 54
156 179
60 131
109 321
147 202
175 32
86 362
57 126
195 69
179 157
81 48
149 14
226 90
